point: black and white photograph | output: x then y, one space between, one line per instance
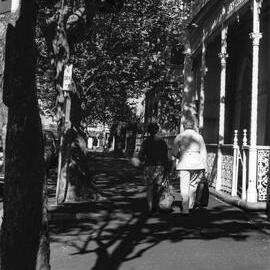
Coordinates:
134 134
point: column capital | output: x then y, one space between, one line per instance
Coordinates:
204 70
187 52
259 3
256 38
223 56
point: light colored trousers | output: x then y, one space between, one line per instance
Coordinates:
188 185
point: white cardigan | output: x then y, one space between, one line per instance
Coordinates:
190 150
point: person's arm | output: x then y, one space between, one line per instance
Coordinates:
165 155
175 148
138 156
142 153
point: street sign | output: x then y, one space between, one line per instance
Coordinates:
67 80
9 6
5 6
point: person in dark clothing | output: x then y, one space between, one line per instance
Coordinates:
154 154
95 143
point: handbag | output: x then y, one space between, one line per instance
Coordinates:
166 198
135 160
202 193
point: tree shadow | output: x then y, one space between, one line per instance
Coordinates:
119 229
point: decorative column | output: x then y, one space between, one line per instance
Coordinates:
221 130
203 73
188 104
244 170
235 164
255 36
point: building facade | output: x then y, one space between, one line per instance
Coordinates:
228 88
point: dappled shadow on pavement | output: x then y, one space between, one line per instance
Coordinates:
118 229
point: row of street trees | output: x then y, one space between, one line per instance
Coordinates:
24 238
118 50
121 56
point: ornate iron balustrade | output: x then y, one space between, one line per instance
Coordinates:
226 166
212 164
234 168
229 167
263 157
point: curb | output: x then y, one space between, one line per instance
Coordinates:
60 216
240 203
70 216
55 213
74 213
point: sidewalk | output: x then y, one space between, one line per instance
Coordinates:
100 162
238 202
116 234
100 165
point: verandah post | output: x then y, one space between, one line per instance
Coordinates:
255 36
223 63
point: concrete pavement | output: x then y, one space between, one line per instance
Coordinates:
117 233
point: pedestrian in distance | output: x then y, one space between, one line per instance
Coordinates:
90 143
95 143
190 151
154 155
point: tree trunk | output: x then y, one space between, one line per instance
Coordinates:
24 171
4 18
43 259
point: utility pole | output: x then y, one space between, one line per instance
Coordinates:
63 160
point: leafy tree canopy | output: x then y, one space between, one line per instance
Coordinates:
122 55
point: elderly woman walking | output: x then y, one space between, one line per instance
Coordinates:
190 150
154 154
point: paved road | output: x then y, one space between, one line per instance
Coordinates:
116 234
